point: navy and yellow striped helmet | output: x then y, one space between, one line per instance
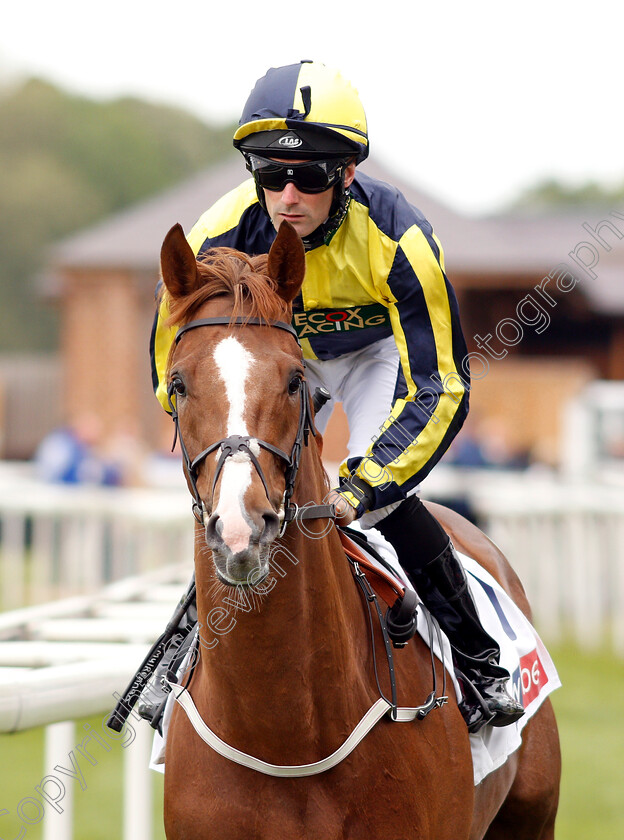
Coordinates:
303 110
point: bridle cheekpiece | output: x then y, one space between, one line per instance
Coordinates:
246 444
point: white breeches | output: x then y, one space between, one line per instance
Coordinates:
364 383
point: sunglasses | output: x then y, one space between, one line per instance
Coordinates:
314 176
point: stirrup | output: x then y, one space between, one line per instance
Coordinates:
472 706
402 619
477 711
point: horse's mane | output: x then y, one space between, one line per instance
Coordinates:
227 272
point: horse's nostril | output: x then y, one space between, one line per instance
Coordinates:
271 527
214 529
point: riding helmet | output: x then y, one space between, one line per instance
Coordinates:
304 110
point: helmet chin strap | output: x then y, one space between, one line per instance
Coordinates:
325 231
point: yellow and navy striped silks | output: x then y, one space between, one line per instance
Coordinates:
381 274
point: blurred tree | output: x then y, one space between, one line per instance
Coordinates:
551 194
67 161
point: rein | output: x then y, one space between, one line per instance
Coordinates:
244 443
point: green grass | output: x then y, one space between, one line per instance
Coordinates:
98 808
589 707
590 712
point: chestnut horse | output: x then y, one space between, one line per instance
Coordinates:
285 666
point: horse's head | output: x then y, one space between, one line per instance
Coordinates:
237 391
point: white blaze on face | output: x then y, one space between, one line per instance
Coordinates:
233 363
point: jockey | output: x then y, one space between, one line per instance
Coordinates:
379 326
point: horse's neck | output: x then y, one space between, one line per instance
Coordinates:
296 642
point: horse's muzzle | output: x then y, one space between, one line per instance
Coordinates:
244 561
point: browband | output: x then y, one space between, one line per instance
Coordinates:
241 322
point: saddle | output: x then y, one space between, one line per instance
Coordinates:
401 617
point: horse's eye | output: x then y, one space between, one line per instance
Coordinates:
178 386
294 384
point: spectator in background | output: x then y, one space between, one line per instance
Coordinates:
484 443
126 452
71 455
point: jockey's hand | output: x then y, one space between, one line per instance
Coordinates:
345 514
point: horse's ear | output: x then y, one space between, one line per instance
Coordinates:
178 265
287 262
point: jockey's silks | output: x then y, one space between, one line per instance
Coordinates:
381 274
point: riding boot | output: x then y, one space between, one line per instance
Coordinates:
443 587
440 580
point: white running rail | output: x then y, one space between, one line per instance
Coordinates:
66 660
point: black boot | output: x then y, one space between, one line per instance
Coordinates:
426 554
443 587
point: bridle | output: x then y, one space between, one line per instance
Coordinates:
244 443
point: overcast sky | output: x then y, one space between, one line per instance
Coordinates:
471 101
